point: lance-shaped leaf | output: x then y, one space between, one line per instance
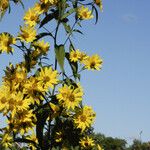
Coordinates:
67 27
96 13
43 34
78 31
74 67
49 17
60 55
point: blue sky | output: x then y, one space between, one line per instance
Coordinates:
119 93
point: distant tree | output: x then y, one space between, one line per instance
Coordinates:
138 145
109 143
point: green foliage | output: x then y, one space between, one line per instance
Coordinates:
138 145
60 55
109 143
47 100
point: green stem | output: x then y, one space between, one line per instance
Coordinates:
70 32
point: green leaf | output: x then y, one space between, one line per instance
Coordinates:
60 55
61 8
76 30
74 67
79 24
41 35
96 13
67 27
48 18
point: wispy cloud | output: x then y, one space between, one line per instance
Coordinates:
129 18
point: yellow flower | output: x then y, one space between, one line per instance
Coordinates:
40 8
33 138
69 96
99 3
20 73
28 34
17 102
74 55
58 137
44 1
23 121
49 2
4 96
7 140
84 13
5 41
31 86
47 78
54 112
93 62
41 48
15 76
84 117
86 142
31 17
82 56
4 5
99 147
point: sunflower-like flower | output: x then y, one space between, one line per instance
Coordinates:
40 48
47 78
6 40
74 55
70 96
7 140
84 117
15 76
4 96
23 121
86 142
93 62
84 13
82 57
99 3
49 2
31 86
28 34
20 73
4 5
40 8
16 103
31 17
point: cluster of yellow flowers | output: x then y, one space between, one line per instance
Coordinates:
20 92
31 90
93 62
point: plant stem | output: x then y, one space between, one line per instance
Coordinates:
70 32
